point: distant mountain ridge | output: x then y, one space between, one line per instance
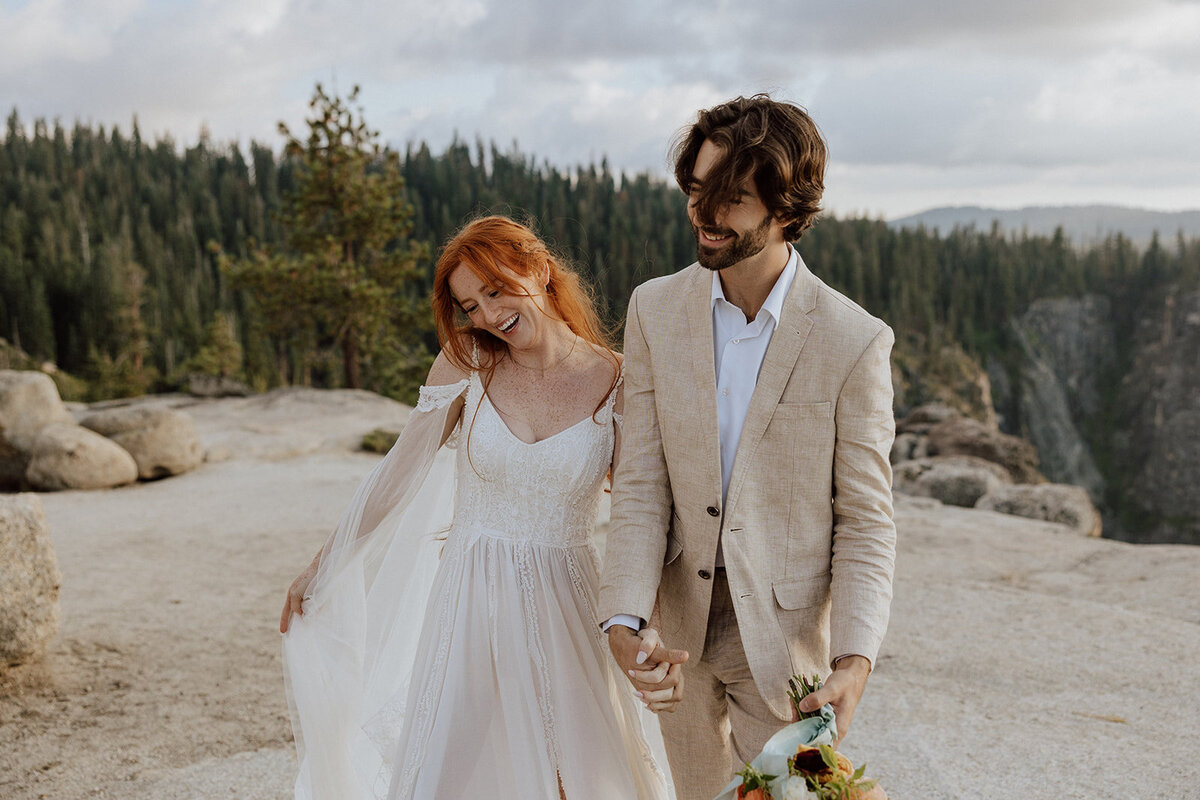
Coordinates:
1083 225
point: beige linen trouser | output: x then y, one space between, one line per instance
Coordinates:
722 721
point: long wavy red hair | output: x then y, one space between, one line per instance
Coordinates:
495 248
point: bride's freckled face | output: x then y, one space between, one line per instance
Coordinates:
512 318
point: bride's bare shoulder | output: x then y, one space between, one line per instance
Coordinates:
444 372
603 354
617 360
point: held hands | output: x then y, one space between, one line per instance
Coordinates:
655 672
297 593
842 690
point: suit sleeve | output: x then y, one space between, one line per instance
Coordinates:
864 533
641 497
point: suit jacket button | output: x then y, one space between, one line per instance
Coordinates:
705 574
713 511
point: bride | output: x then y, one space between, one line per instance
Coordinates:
444 642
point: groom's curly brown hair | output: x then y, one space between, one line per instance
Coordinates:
775 143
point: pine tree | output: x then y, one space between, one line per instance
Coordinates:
220 355
348 264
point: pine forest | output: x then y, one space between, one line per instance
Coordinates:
129 264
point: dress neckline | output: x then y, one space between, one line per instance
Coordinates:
475 377
554 435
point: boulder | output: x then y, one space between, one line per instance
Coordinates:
29 401
954 480
69 456
909 446
963 436
162 441
1053 502
902 447
29 580
924 417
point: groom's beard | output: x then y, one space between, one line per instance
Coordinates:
743 246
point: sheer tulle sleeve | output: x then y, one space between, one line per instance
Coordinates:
348 658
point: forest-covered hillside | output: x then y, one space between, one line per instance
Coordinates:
116 254
107 248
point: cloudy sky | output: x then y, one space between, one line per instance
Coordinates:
924 103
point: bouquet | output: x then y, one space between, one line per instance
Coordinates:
800 763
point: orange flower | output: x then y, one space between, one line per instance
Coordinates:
753 794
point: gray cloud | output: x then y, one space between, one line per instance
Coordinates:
923 102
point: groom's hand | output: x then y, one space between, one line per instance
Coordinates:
842 690
655 671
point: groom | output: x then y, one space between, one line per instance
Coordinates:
752 505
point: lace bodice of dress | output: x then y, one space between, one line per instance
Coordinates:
547 492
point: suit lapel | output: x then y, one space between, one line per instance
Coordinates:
778 365
704 376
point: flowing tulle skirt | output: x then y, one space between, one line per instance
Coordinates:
513 688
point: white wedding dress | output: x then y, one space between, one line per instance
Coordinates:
509 690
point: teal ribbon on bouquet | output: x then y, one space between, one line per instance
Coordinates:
821 729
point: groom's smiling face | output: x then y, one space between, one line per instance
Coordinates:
742 227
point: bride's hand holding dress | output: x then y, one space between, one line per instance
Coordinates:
297 593
442 374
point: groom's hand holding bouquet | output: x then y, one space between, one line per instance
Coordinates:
841 691
801 761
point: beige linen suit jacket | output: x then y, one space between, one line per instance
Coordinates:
806 531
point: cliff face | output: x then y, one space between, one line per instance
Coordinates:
1116 413
1158 422
1066 344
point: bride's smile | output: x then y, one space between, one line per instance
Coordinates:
515 311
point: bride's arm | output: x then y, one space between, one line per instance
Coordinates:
386 483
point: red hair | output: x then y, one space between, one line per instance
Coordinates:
495 248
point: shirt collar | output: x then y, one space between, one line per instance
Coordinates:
773 305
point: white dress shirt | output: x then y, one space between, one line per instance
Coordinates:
738 351
739 348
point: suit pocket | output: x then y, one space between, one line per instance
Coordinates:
801 592
820 410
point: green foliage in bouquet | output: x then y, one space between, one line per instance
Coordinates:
799 688
754 779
